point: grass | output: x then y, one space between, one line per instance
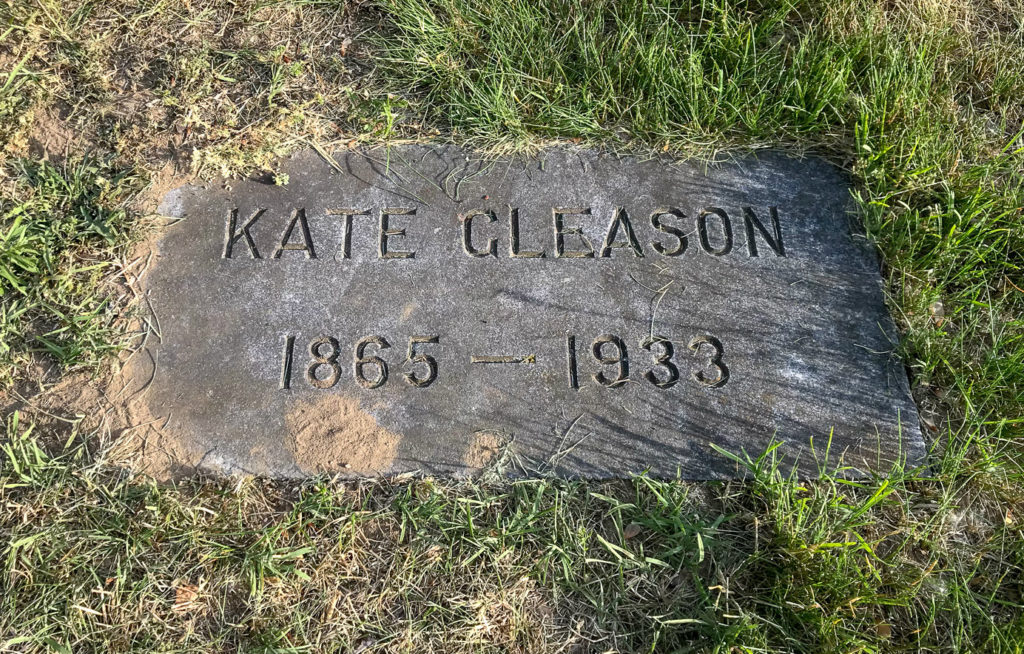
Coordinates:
919 100
55 259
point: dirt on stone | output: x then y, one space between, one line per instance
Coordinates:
174 174
334 434
484 448
152 448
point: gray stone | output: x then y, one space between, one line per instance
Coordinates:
750 274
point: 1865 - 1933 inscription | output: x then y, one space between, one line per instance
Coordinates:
573 313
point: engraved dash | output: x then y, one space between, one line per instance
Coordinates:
479 358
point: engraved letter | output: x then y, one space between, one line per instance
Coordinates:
345 252
298 216
467 234
513 239
656 222
386 231
750 221
702 231
231 237
561 230
621 218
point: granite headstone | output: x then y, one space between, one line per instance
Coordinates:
573 313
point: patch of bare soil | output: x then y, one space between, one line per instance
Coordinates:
333 434
51 137
112 405
483 449
172 175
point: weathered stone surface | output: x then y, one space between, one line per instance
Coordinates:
748 274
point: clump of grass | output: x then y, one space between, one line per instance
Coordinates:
58 236
224 88
21 91
697 74
656 70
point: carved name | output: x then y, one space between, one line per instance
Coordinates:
483 234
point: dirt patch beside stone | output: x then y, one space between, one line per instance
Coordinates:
333 434
112 405
51 137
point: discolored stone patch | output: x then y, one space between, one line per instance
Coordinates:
484 449
332 433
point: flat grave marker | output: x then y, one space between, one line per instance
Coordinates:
580 314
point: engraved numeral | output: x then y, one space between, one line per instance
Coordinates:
286 363
368 367
610 350
621 358
715 361
663 360
330 360
570 353
361 361
416 358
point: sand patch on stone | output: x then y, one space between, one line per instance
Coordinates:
154 450
333 434
484 448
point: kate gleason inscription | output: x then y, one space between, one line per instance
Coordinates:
716 240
